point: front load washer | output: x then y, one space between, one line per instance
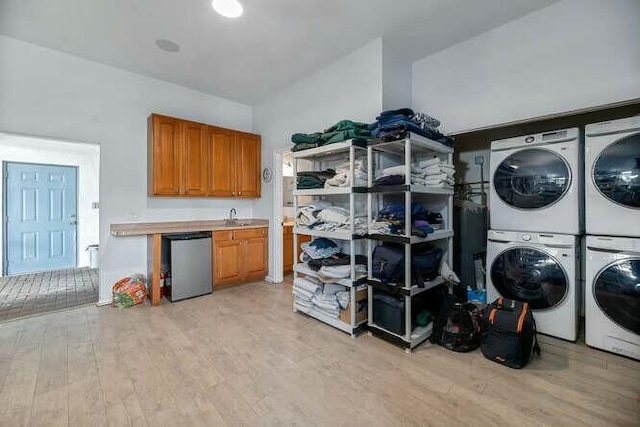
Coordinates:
536 183
612 172
541 269
612 320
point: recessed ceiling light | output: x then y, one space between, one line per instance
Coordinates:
167 45
227 8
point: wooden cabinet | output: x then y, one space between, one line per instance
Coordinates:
235 163
197 160
222 160
165 157
239 256
194 159
287 252
248 161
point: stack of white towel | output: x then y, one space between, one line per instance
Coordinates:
329 299
431 173
437 173
343 176
304 288
321 215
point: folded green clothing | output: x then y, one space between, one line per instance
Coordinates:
343 135
309 182
346 125
306 138
304 146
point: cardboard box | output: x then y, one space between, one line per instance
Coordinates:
361 308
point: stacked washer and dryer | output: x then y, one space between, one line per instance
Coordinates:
545 190
612 206
536 211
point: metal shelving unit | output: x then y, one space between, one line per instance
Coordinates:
317 159
405 152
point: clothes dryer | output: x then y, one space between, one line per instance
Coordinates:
612 184
541 269
536 183
612 320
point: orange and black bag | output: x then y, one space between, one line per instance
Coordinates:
509 336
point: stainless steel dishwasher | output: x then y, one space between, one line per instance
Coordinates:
188 256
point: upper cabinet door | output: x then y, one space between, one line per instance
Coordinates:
248 165
222 162
195 159
165 146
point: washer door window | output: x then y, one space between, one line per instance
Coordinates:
532 179
616 172
530 275
617 292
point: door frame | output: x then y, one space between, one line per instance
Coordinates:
5 243
278 242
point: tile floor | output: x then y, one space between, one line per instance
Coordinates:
37 293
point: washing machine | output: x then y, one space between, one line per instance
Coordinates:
536 183
612 320
612 172
541 269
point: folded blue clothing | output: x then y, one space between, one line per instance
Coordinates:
390 180
408 112
396 210
322 243
409 126
320 248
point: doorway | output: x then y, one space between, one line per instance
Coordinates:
50 232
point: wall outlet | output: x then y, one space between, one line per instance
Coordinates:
95 205
478 160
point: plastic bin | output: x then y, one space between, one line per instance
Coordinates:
94 256
388 312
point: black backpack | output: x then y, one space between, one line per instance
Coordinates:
458 326
509 336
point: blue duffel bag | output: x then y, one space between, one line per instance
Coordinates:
388 262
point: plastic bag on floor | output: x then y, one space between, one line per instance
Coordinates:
129 291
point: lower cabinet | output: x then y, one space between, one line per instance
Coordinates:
287 248
239 256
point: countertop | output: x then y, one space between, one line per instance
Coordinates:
144 228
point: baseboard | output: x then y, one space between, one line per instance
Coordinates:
269 279
104 302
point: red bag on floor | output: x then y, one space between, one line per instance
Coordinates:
129 291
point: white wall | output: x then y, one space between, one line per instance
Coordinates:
571 55
350 88
48 93
15 148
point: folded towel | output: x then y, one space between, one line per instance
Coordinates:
309 284
430 162
301 294
399 170
304 304
334 214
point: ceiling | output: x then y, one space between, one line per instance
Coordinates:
273 44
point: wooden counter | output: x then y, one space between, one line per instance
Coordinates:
143 228
155 230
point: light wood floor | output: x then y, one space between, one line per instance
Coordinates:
242 357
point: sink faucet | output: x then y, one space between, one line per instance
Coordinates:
232 214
